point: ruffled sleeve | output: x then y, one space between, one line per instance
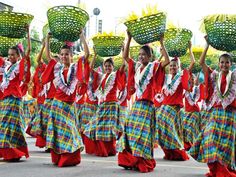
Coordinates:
185 80
158 77
24 67
121 78
131 81
209 88
83 72
48 74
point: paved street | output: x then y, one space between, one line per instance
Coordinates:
39 165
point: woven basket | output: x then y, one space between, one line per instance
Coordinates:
12 24
176 41
6 43
55 44
107 46
221 34
65 22
147 29
134 52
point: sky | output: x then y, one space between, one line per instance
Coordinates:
183 13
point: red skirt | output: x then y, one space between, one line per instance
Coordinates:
14 153
218 170
66 159
175 154
98 147
128 161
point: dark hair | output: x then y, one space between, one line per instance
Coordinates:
16 48
109 60
148 50
226 55
67 47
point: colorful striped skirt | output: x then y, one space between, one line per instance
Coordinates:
123 115
78 111
190 123
205 119
88 114
27 112
39 124
169 128
217 142
62 133
12 135
106 126
139 130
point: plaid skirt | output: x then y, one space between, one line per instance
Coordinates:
205 119
190 123
169 133
62 133
39 124
26 111
106 124
88 114
78 111
217 142
12 133
139 130
123 115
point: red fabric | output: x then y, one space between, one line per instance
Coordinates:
105 148
202 91
28 131
48 76
209 89
81 100
155 83
176 98
14 153
191 108
14 88
25 75
66 159
218 170
128 161
111 96
60 95
83 70
90 146
37 88
187 145
2 62
175 154
24 88
223 84
40 142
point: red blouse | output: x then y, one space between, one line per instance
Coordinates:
209 89
177 97
15 86
48 76
155 83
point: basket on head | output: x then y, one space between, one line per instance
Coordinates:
107 46
233 54
6 43
13 24
147 29
55 44
134 52
66 22
221 31
176 41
